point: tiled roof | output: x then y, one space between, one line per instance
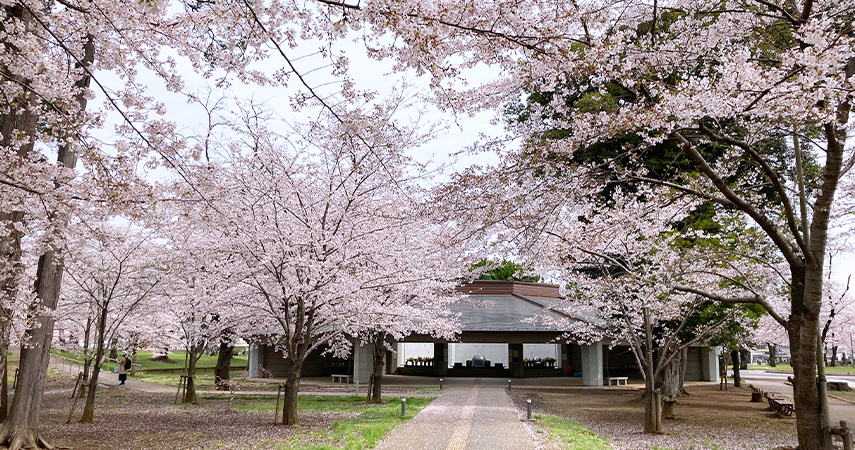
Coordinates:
504 312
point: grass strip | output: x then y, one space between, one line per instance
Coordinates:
570 434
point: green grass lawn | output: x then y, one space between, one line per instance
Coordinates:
571 435
203 380
365 429
176 360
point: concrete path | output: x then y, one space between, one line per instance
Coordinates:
838 408
468 414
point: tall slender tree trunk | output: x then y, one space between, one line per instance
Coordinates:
10 251
20 430
379 352
19 124
87 355
734 360
89 407
5 331
684 365
652 405
190 393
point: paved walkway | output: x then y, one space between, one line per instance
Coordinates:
468 414
838 408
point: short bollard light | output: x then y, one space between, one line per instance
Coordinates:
403 407
509 384
528 409
440 384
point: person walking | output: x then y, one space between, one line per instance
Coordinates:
124 365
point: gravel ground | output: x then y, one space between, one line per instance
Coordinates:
707 419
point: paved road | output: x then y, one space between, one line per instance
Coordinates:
469 414
776 382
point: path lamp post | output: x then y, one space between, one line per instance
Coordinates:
403 407
509 384
528 409
440 384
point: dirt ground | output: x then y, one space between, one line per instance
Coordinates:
133 420
706 419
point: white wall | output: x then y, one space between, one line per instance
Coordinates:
413 350
495 353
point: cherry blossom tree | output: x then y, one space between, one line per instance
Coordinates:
411 285
197 307
687 73
304 226
113 270
623 267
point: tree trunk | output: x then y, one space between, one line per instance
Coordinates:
652 403
671 385
773 355
292 385
224 362
20 430
833 361
87 355
744 359
5 330
652 409
803 334
190 393
89 407
10 252
734 358
379 351
16 126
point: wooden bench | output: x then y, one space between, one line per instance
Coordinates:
778 403
618 381
786 408
339 378
783 406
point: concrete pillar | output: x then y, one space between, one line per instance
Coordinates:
440 359
592 364
709 364
564 360
253 361
363 363
515 360
402 356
